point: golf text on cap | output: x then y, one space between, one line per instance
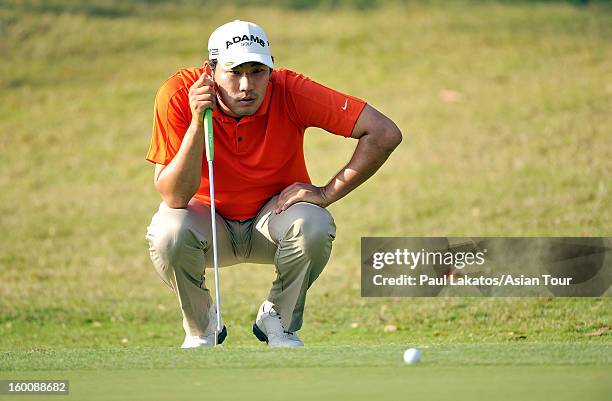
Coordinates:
246 38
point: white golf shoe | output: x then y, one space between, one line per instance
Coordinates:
268 328
208 339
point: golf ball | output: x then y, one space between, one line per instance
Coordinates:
412 355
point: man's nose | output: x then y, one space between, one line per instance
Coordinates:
245 83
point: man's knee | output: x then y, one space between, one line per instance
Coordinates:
169 233
314 224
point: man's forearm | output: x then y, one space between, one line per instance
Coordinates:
378 136
180 179
369 155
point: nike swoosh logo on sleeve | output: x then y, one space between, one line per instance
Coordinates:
345 104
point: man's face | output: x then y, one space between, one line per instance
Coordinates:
242 89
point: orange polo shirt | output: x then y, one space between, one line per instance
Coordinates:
256 156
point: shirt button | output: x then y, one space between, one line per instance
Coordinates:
239 139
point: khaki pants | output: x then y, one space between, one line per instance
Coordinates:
297 241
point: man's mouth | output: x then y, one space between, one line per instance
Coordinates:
247 101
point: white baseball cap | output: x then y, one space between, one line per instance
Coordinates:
239 42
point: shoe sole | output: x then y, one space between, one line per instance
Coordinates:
221 336
261 336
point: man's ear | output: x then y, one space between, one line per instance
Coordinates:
208 70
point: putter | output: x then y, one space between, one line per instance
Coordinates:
208 132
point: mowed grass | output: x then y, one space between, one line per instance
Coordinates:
505 111
329 356
419 382
459 371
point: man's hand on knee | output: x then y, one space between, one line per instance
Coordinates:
301 192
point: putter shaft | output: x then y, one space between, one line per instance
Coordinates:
208 132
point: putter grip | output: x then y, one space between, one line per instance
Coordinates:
208 132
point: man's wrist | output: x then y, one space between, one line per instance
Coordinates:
197 125
197 120
326 195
